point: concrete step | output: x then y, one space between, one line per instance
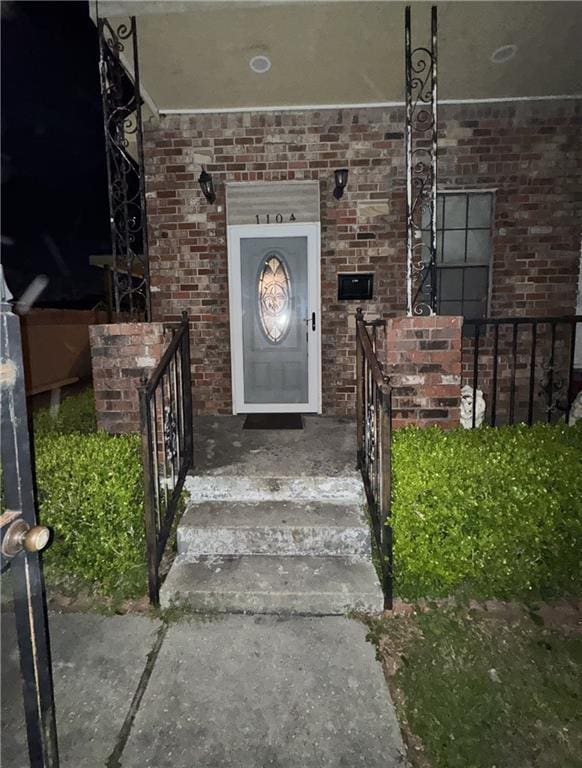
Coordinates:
273 528
345 489
307 586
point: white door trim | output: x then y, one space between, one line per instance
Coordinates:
234 234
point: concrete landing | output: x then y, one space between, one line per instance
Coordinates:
319 586
252 692
325 447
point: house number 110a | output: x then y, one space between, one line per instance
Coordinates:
268 219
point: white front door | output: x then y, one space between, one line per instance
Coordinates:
274 287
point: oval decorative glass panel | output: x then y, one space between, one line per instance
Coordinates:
274 299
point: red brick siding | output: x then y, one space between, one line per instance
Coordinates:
121 354
530 152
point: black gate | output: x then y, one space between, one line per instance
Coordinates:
22 539
167 445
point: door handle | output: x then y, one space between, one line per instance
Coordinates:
19 535
313 321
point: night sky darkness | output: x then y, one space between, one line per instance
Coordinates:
54 179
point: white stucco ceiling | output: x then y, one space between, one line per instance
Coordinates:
195 55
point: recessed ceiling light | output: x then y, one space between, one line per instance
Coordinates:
503 54
260 64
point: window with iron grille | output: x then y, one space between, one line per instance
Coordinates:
464 222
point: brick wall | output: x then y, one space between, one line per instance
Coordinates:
530 153
423 361
121 354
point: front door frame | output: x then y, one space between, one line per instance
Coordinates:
311 231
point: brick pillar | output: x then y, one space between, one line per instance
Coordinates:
121 353
423 360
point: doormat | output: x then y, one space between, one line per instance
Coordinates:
273 421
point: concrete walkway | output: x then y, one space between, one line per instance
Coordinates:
245 691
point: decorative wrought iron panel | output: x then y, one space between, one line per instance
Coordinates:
120 93
421 170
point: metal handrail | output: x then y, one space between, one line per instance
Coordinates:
167 445
374 441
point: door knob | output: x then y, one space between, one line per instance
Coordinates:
19 535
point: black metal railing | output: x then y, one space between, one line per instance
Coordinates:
167 445
373 424
522 365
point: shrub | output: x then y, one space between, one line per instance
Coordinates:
76 413
90 492
492 512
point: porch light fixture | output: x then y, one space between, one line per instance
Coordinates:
341 180
207 186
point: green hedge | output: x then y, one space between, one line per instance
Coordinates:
75 414
489 512
90 493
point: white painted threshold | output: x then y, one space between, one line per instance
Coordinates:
364 105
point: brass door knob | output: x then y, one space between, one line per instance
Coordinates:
36 538
20 536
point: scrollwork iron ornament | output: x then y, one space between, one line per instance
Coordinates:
554 391
421 171
170 434
121 100
370 435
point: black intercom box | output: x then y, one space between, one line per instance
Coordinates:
359 285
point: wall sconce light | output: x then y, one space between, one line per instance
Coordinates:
207 186
341 180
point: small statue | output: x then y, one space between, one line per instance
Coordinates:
467 407
575 410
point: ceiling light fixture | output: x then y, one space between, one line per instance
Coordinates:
260 64
503 54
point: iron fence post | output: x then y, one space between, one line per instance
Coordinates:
359 390
386 493
188 410
572 354
147 448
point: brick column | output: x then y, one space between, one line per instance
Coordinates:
423 360
121 353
